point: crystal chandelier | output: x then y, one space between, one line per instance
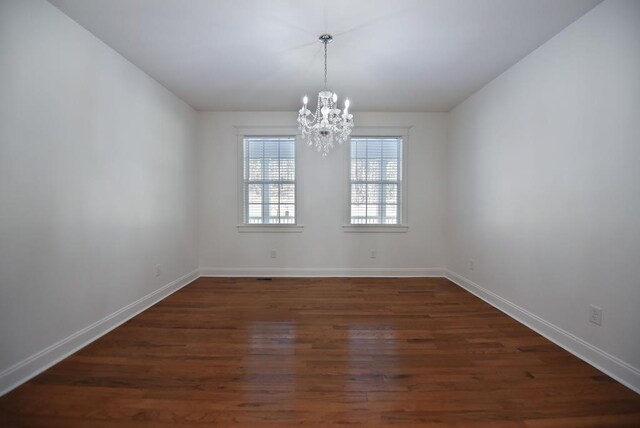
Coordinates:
327 125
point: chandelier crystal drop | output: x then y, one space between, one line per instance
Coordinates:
328 124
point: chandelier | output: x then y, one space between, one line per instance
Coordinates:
327 125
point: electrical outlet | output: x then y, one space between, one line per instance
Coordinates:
472 264
595 315
274 254
373 254
158 270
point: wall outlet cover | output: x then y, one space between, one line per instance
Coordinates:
595 315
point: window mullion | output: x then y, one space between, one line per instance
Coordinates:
366 188
245 180
279 186
399 194
265 187
380 186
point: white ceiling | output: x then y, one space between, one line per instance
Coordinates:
388 55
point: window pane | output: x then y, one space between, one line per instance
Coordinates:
272 169
287 169
373 212
255 169
390 193
390 214
287 213
373 169
287 193
273 213
287 150
390 168
255 193
273 194
359 169
255 213
373 193
358 148
255 148
358 193
390 149
374 149
358 213
271 149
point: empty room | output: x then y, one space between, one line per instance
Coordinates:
275 213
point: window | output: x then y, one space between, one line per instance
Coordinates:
269 180
376 181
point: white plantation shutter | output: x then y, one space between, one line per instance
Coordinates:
269 180
376 180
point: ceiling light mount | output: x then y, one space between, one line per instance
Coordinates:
325 38
328 124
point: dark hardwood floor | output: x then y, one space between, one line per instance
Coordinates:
319 352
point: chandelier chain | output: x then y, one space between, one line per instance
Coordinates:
325 65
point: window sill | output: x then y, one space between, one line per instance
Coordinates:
375 228
270 228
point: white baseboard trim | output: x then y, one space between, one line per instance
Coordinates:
619 370
323 272
26 369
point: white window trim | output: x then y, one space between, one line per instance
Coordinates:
372 132
375 228
243 132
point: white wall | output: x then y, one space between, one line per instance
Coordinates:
322 247
544 185
97 182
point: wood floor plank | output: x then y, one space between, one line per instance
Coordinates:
319 352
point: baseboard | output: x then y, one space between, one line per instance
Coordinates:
323 272
39 362
619 370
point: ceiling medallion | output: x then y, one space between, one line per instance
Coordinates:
327 125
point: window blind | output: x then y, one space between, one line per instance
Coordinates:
376 180
269 184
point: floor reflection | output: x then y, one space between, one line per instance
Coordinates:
372 357
270 366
